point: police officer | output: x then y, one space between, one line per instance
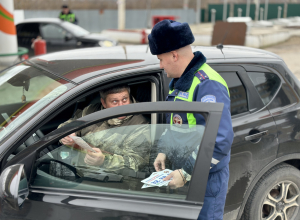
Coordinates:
194 80
67 15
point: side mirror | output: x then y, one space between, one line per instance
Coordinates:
14 185
68 37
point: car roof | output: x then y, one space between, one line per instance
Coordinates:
40 20
80 64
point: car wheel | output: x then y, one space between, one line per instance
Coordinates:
275 196
121 180
105 179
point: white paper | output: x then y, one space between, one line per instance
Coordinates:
82 143
156 179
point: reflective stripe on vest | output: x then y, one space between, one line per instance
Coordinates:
212 75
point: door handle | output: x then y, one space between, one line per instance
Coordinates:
256 136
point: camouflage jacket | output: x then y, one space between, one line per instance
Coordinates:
125 144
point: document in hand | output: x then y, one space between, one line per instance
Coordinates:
156 179
79 141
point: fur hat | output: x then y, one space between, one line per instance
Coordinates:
168 35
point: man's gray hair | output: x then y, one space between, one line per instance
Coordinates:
117 89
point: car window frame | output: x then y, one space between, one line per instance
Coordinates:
253 104
79 93
266 69
275 94
195 197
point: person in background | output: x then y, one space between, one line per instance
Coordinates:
67 15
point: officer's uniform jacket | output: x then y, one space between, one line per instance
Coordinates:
198 83
125 143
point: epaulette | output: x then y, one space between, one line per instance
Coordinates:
201 75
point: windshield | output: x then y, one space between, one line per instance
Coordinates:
25 90
75 29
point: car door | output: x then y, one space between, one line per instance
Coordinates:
57 38
58 187
281 101
255 141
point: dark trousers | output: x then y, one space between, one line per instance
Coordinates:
215 195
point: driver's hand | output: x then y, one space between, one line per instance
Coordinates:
67 140
159 163
94 159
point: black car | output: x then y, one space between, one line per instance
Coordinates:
59 35
40 177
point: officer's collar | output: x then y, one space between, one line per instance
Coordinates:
186 79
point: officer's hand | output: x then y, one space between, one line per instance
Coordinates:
67 140
94 159
177 180
159 163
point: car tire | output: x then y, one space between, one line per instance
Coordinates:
268 199
105 179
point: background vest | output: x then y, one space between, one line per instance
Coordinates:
68 17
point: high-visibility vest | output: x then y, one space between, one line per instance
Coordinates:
68 17
203 73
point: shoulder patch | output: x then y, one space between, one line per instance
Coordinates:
209 98
201 75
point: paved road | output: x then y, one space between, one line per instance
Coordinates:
290 53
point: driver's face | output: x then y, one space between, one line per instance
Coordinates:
117 99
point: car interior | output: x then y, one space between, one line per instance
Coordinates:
141 91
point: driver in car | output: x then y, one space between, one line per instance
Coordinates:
117 144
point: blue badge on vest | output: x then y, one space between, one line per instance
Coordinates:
209 98
184 95
201 75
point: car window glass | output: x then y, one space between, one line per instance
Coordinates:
237 92
129 151
25 90
266 85
30 30
75 29
285 96
52 31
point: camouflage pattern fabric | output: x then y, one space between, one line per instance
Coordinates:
125 143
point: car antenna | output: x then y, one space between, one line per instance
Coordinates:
220 46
